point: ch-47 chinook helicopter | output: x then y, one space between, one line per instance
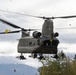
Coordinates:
44 42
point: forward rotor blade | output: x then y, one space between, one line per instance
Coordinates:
15 26
7 32
32 29
10 24
10 32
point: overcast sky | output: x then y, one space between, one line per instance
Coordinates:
39 8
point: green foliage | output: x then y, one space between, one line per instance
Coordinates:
60 66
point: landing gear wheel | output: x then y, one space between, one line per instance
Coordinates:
41 58
22 57
35 55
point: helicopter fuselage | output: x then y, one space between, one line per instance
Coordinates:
33 45
45 42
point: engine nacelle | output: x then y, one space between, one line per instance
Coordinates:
56 34
36 34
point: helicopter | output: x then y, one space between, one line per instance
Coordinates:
45 42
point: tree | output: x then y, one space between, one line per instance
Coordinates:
60 66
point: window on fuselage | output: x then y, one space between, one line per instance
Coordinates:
28 42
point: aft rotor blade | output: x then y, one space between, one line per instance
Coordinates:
24 14
20 13
43 17
10 24
65 17
10 32
66 28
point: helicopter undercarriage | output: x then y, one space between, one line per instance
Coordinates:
38 53
35 55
